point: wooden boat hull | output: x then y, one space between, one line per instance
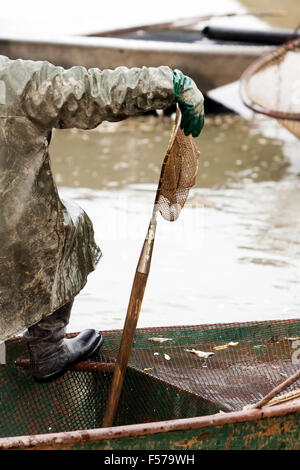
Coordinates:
67 413
271 429
211 64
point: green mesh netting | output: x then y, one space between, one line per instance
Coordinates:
163 381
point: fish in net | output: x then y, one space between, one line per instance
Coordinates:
271 85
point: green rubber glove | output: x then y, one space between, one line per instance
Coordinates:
190 100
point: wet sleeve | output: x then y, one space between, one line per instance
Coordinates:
77 97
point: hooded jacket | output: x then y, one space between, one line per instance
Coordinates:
47 245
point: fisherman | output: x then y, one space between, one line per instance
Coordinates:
47 246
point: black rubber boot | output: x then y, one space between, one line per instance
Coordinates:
50 352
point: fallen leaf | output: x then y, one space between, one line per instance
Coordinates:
201 354
160 340
223 346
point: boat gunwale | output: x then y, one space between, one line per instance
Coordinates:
210 326
143 429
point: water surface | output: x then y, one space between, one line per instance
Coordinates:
233 255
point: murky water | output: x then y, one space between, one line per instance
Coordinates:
290 11
234 254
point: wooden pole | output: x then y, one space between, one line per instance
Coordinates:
136 297
133 312
264 401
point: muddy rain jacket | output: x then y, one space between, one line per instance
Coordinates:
47 245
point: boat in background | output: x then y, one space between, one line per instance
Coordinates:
211 62
212 55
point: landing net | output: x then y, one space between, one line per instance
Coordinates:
178 174
271 86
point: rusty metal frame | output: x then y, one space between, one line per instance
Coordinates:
138 430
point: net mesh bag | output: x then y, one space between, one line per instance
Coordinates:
271 86
178 175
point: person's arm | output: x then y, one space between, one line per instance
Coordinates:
81 98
